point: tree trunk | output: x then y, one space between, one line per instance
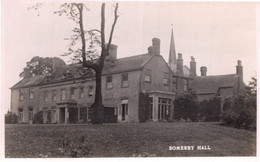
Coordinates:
98 107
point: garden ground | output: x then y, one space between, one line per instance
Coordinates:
130 139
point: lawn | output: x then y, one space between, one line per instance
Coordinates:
130 139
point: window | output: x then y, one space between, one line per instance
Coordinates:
147 77
30 113
21 95
166 79
54 95
46 96
164 107
185 85
72 93
109 84
31 94
63 94
90 91
124 80
81 92
174 83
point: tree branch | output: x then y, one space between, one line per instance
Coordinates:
113 27
103 44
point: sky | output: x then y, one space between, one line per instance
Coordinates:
217 34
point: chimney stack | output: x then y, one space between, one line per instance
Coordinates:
156 46
180 64
203 70
150 50
27 73
239 69
193 67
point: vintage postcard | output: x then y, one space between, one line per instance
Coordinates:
87 79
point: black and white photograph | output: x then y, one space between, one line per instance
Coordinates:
129 79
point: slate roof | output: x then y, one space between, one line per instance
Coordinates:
210 84
119 65
28 82
186 71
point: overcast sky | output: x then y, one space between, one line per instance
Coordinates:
216 34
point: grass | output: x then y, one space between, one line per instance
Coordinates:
130 139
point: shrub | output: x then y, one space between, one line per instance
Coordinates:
144 104
84 114
240 111
209 111
229 117
38 118
186 106
11 118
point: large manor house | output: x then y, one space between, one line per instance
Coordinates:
66 92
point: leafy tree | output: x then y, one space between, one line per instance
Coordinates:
240 110
186 106
209 110
252 87
41 65
11 118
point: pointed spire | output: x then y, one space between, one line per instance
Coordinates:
172 55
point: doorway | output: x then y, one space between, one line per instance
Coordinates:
62 116
124 111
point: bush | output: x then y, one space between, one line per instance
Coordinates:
186 107
11 118
209 111
144 104
84 114
240 111
38 118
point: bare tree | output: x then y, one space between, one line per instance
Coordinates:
93 50
88 54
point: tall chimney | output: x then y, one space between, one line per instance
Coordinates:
239 69
156 46
112 52
192 67
27 73
203 70
180 64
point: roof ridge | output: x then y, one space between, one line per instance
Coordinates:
217 75
133 56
